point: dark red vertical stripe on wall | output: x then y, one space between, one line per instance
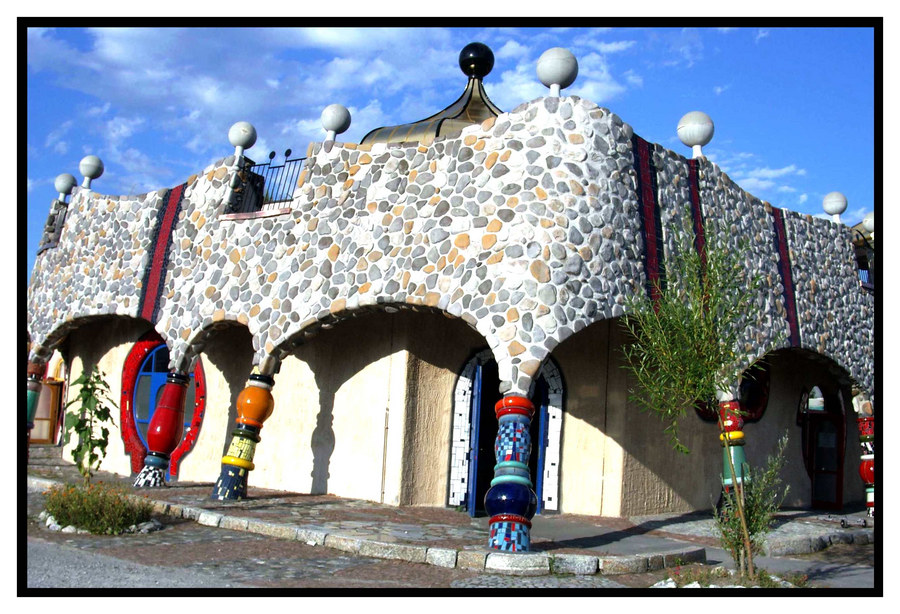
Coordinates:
651 228
697 211
787 281
159 254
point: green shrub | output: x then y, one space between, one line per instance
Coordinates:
763 494
98 508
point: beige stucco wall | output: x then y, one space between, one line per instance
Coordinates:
105 342
590 461
227 361
616 460
332 397
438 348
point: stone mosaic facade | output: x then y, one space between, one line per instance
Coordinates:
528 227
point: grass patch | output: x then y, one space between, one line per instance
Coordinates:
99 508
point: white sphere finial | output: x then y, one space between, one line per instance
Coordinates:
695 130
557 69
91 167
64 184
834 204
869 224
243 136
335 120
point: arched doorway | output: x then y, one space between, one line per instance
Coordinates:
475 429
821 418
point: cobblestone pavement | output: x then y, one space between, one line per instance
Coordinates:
249 557
250 560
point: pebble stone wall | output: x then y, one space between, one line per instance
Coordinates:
525 226
835 318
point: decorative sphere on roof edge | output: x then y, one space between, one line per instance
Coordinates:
476 60
242 134
64 183
696 128
336 117
834 203
91 167
869 222
557 66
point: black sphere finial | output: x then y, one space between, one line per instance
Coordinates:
476 60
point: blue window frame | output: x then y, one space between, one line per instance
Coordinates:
148 387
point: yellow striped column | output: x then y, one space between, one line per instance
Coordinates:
254 406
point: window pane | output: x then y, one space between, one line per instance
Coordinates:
161 360
142 399
189 399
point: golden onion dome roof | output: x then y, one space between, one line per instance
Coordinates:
473 107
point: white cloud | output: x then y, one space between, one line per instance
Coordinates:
718 89
684 48
511 49
30 184
517 86
55 140
772 173
726 30
632 78
760 34
595 82
802 198
786 188
614 47
97 111
121 128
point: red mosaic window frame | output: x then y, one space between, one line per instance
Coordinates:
134 447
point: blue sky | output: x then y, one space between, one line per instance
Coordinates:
794 109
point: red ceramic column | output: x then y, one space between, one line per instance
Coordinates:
866 423
732 438
166 430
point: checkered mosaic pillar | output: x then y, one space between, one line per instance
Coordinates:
254 406
866 426
165 432
732 439
511 502
32 394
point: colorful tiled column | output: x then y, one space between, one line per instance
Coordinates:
866 423
732 438
254 406
166 429
34 373
511 501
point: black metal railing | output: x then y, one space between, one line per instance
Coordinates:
278 180
865 261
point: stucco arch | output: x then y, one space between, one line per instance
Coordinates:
299 333
43 345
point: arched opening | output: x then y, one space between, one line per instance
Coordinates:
50 411
475 430
821 418
143 377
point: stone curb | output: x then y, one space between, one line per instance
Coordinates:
484 560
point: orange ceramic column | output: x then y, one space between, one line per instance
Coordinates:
254 406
